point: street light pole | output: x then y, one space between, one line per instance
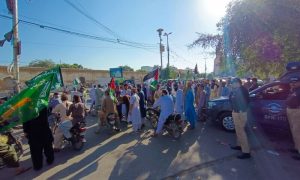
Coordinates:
168 49
205 67
160 30
16 45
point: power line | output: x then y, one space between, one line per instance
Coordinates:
102 26
83 35
73 45
180 57
105 28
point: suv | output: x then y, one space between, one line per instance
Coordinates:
267 104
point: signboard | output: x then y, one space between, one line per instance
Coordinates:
116 72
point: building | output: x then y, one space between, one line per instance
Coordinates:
147 68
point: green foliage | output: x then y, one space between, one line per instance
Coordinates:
264 35
259 37
47 63
126 68
74 66
141 71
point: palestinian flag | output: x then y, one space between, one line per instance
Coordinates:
28 103
154 76
112 88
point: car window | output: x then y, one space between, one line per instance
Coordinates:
276 92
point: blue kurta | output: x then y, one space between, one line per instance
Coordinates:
190 113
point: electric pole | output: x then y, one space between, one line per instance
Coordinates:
205 67
160 30
16 44
168 49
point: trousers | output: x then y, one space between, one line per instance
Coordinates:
36 151
240 121
61 131
294 121
160 124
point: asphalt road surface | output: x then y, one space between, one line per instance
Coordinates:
202 153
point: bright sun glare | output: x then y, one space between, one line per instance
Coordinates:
215 8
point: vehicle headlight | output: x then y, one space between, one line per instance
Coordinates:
211 104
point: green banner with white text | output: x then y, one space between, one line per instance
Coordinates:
28 103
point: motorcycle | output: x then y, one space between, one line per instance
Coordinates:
173 124
77 139
15 143
111 122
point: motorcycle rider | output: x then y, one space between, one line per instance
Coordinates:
166 105
109 105
76 110
9 156
65 125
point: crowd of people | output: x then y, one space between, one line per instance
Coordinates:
129 102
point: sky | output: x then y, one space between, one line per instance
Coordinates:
131 20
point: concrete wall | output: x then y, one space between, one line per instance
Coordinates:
91 76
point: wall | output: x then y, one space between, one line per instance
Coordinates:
91 76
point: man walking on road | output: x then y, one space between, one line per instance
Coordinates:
179 100
239 99
293 114
189 109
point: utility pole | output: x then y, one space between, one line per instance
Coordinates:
16 44
160 30
168 49
205 67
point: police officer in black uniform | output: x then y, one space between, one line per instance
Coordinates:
293 114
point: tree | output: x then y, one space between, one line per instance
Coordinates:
47 63
126 68
141 71
257 36
74 66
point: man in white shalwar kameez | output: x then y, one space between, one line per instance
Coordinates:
179 100
134 111
165 102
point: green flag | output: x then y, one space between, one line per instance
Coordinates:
27 104
76 81
57 80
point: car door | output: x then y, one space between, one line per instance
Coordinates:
268 107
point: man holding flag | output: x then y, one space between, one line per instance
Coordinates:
30 107
153 77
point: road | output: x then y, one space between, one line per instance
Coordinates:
202 153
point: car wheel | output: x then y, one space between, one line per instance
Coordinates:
227 121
